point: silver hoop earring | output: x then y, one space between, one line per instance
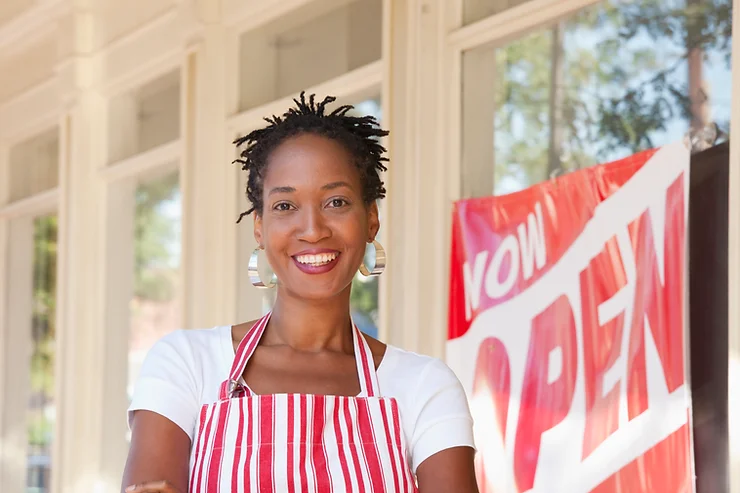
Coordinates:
377 266
254 272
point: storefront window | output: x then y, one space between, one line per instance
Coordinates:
41 410
34 166
610 81
314 44
145 118
156 304
475 10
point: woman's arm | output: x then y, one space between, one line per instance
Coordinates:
448 470
158 460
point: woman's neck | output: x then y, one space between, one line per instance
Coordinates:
311 326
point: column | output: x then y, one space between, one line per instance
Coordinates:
418 218
82 332
209 180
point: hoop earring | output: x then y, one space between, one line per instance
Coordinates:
254 273
378 265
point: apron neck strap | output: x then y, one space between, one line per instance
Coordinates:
363 359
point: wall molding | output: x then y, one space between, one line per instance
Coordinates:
32 26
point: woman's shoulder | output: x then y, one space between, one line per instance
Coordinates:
193 346
413 371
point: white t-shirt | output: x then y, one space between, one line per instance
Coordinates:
184 369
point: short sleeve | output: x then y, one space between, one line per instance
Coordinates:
167 384
443 418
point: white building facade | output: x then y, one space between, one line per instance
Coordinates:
118 199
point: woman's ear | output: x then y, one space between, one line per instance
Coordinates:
258 229
373 221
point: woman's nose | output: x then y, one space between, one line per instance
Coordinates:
313 226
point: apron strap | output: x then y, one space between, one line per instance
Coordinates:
233 387
365 365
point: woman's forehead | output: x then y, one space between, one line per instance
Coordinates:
311 159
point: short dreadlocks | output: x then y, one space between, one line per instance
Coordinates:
359 135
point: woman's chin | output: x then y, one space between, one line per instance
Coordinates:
315 290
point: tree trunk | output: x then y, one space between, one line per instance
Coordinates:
556 100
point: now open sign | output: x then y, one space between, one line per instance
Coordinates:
567 327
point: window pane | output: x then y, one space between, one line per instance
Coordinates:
41 410
364 299
610 81
310 46
475 10
145 118
155 307
34 165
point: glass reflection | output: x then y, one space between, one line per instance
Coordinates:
155 307
41 409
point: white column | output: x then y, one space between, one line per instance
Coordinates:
418 182
4 288
79 459
733 344
209 179
118 258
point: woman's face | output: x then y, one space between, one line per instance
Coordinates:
315 224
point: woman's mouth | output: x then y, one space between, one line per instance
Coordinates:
316 263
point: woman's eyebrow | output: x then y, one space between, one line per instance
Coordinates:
281 190
336 184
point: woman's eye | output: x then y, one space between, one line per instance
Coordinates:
283 206
336 203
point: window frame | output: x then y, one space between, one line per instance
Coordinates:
27 209
119 179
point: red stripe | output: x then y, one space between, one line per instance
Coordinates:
217 457
341 441
390 447
198 454
321 464
303 442
353 447
365 365
265 446
206 449
291 444
669 463
370 444
409 480
250 442
246 348
238 448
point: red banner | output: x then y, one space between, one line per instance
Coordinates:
567 328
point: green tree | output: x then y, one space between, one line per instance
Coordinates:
623 70
155 233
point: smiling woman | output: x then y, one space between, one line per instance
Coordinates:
300 398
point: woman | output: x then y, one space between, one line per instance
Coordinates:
300 400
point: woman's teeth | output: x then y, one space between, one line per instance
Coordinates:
316 260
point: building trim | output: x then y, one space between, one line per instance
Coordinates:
514 22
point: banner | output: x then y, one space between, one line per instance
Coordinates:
567 328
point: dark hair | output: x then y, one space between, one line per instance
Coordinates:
358 134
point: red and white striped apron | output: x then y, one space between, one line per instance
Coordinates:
295 443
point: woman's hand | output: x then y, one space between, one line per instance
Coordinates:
153 487
159 457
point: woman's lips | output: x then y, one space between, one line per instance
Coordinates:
316 262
